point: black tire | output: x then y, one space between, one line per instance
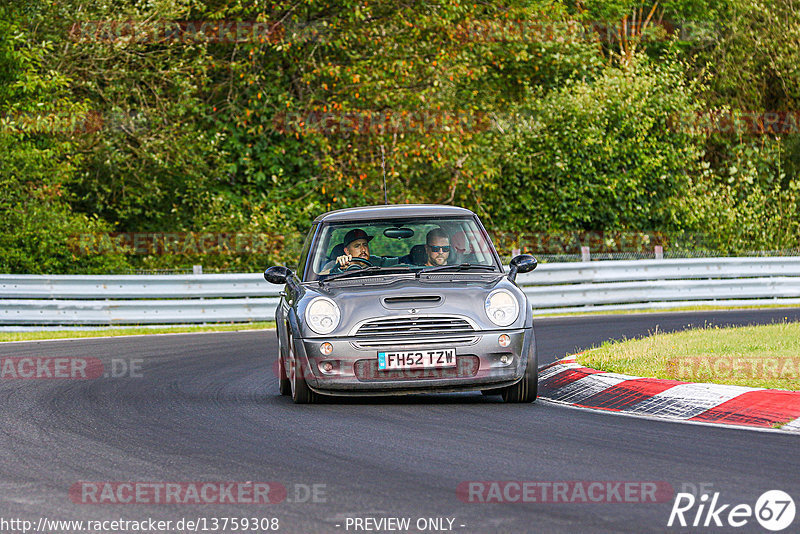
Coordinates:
283 381
301 393
526 390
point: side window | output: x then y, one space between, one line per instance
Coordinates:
333 247
301 264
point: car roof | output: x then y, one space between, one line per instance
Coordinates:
392 211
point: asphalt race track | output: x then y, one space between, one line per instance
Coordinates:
201 408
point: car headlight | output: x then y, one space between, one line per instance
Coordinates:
322 315
502 307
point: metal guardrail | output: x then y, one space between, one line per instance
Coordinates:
136 299
662 284
166 286
553 287
630 270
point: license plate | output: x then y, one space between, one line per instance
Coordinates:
416 359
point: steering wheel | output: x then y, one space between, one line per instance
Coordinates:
358 263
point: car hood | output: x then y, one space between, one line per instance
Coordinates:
362 299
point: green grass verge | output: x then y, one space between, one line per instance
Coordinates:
131 331
758 356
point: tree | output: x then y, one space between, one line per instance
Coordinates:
40 122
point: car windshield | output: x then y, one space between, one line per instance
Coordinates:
397 246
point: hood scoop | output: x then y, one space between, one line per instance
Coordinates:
412 301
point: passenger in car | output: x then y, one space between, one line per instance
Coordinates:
437 247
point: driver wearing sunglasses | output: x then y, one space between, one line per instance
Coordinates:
437 247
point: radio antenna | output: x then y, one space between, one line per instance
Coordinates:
383 166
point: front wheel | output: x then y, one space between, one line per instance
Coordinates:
301 393
283 381
526 390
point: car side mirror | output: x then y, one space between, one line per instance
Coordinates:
524 263
278 274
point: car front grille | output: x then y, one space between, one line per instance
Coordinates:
418 332
414 326
416 342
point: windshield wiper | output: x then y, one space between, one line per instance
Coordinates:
367 270
459 267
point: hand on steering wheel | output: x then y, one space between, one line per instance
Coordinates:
358 263
345 263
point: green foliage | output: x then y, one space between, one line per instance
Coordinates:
502 108
425 78
599 155
754 58
37 159
751 205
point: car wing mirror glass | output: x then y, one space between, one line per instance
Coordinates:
278 274
524 263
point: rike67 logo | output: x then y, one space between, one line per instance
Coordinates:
774 510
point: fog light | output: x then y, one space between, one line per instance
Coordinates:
504 340
326 348
327 367
504 359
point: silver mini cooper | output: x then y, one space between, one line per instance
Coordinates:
403 299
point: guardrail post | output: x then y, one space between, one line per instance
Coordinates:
197 269
585 255
659 252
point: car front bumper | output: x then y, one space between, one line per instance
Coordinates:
352 366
